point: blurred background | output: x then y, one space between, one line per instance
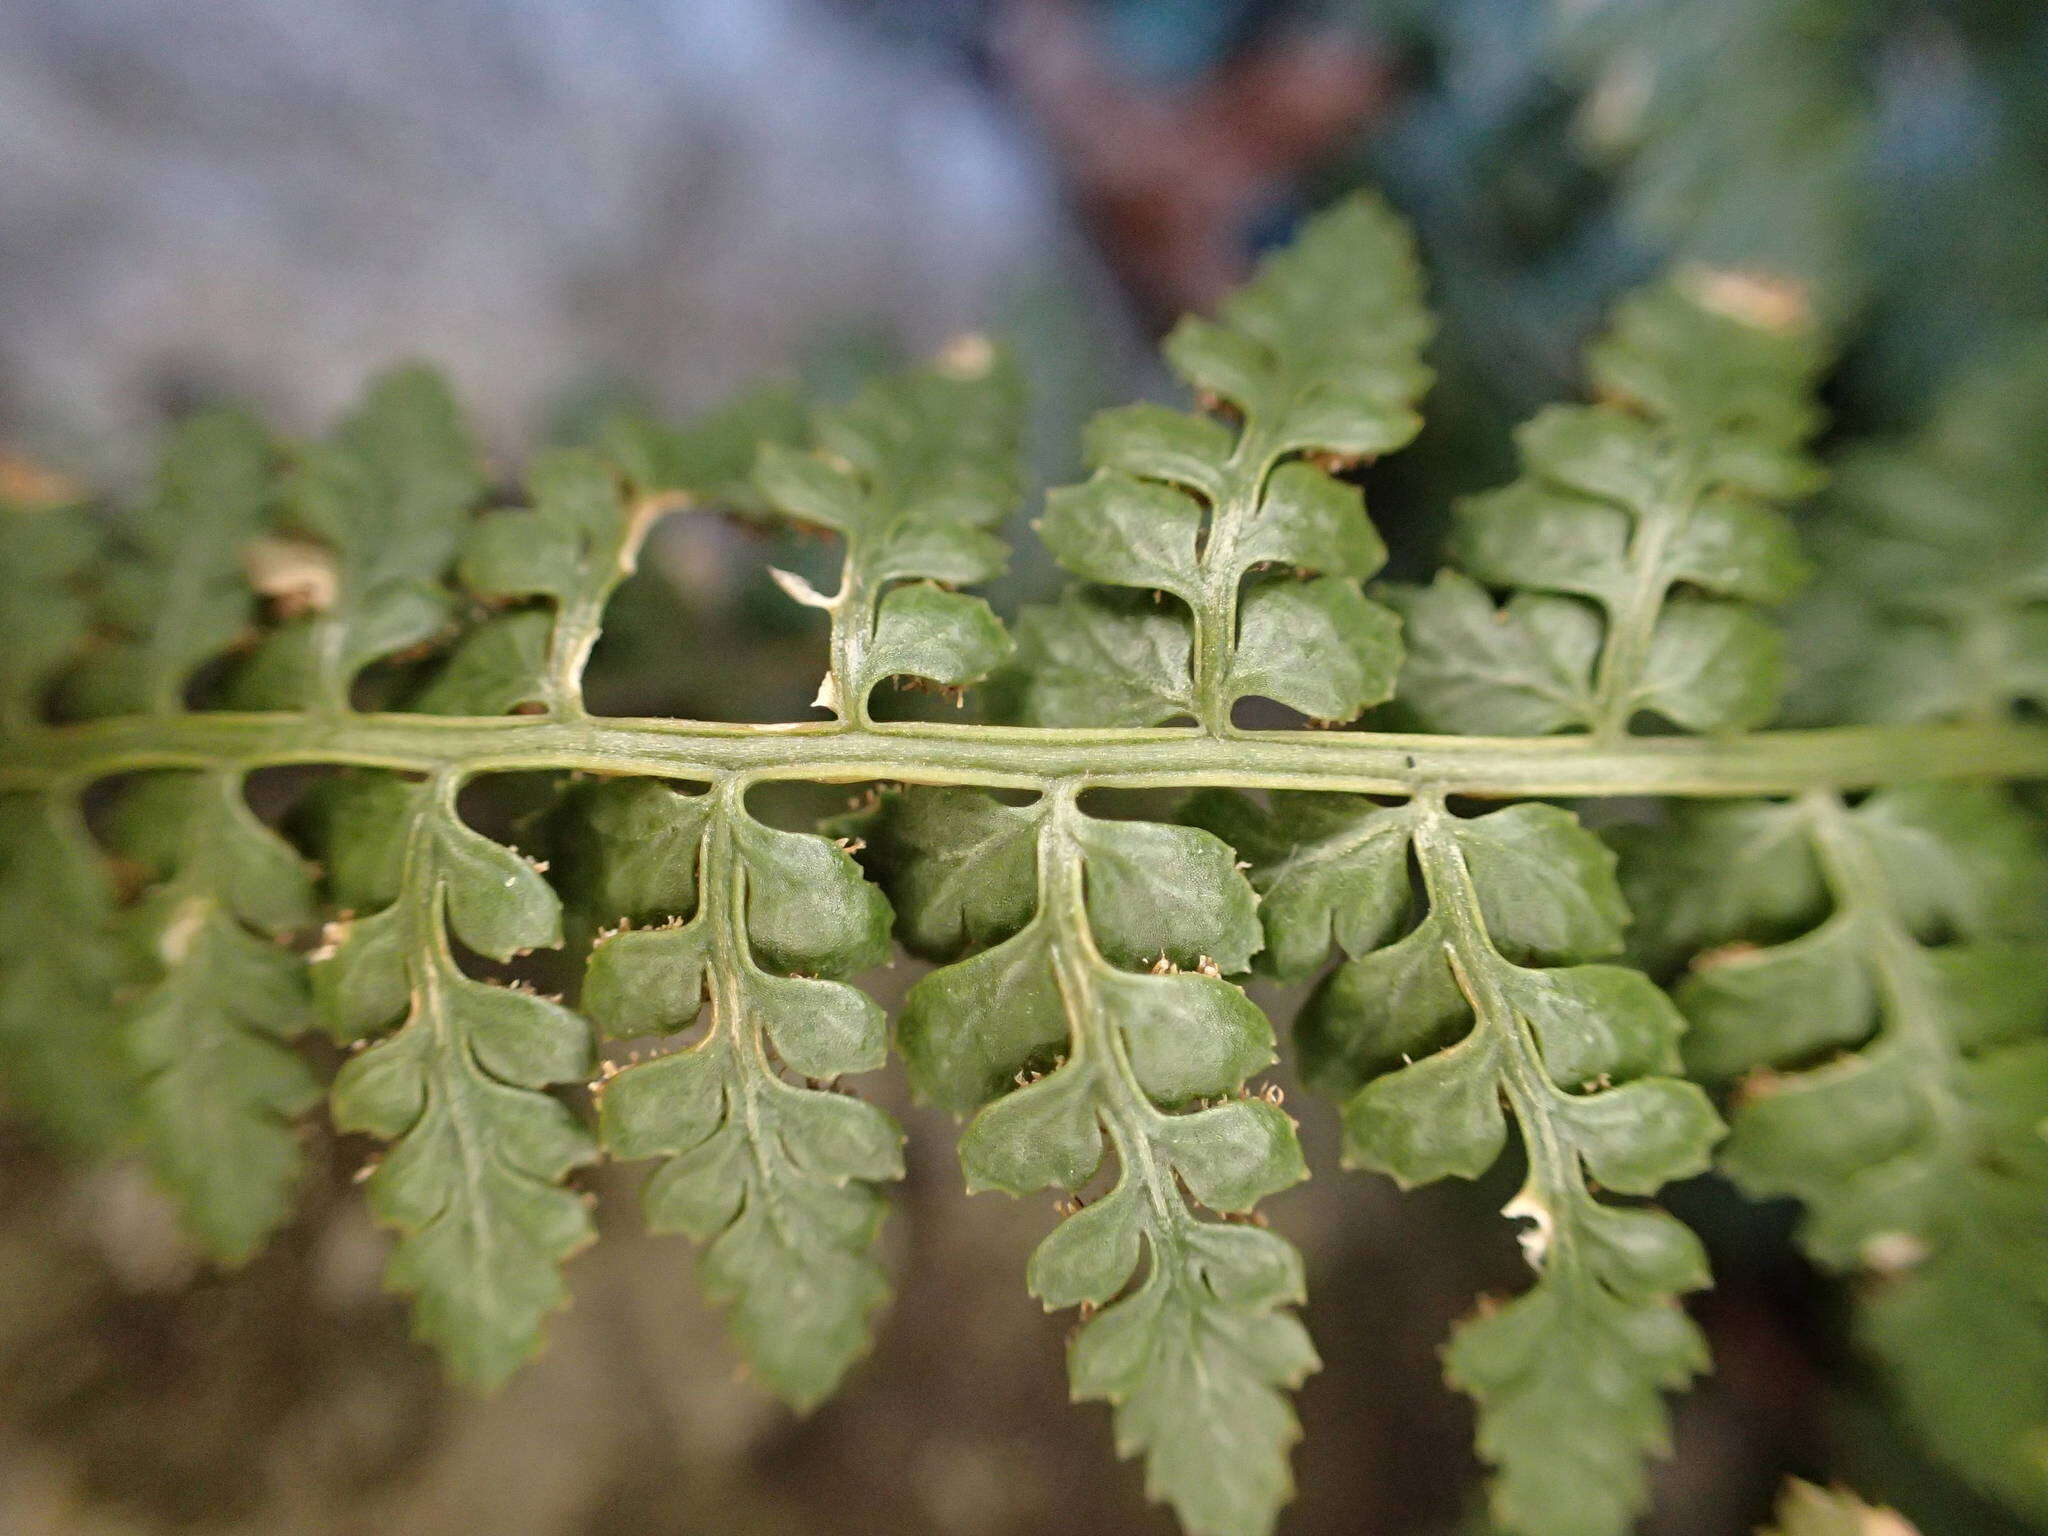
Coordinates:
589 204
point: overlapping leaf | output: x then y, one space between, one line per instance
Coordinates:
478 1150
377 511
1233 512
1643 537
1892 1058
763 1162
219 1089
1092 951
915 474
1474 996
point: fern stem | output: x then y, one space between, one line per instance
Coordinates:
1766 763
1215 620
1632 624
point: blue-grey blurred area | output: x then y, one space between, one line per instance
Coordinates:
269 199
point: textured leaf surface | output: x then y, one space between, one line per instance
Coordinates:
1524 668
473 1176
625 851
773 1173
1314 362
1640 539
1327 869
1716 872
960 867
499 667
1068 1056
1104 658
220 1089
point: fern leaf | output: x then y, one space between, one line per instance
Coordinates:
175 595
1936 598
1259 545
1105 658
209 1001
1920 987
61 963
451 1072
504 665
1640 541
43 619
915 474
1485 1006
219 1088
773 1173
384 501
1099 992
1737 867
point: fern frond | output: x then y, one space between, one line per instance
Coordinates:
1094 983
1873 978
1480 1006
45 551
708 460
451 1072
1891 1073
220 1090
174 594
1935 602
1234 512
571 548
1864 948
1642 538
767 1166
61 964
